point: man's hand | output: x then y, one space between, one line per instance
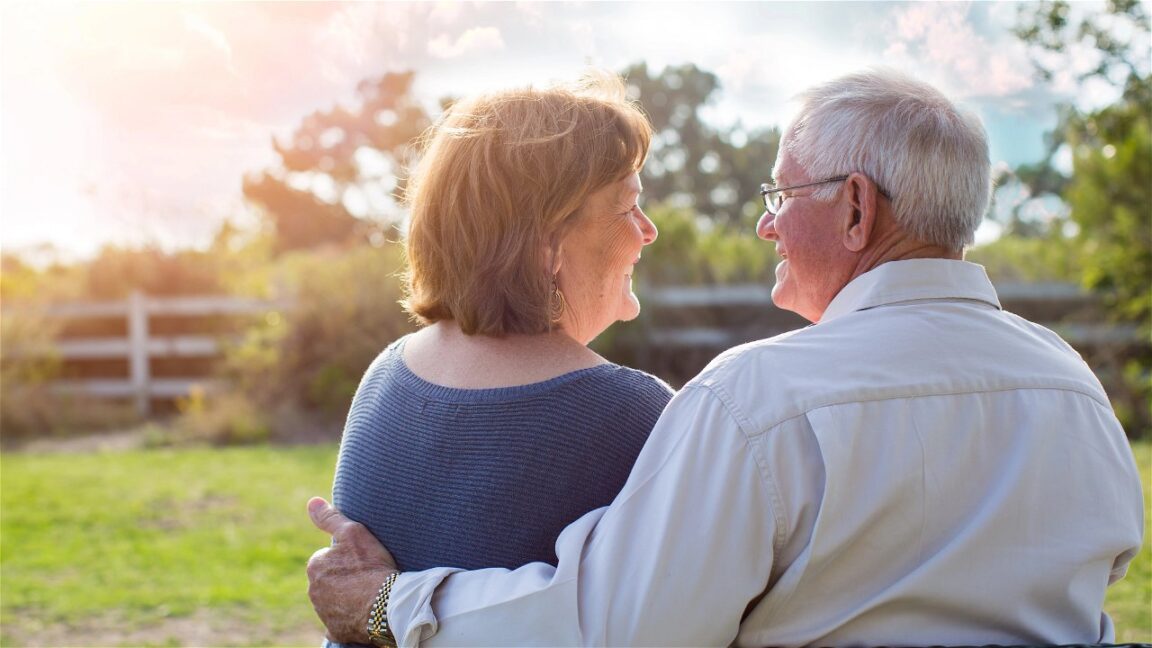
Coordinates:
343 579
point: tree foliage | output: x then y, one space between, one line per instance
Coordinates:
112 274
118 271
338 171
340 164
345 310
1051 257
692 164
1117 36
24 281
1110 195
1092 48
1109 192
689 254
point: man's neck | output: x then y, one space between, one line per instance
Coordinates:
896 246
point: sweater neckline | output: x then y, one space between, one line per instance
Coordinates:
398 368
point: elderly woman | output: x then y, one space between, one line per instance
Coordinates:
474 441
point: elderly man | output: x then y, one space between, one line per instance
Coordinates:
917 467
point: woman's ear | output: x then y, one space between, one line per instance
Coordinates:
553 257
862 198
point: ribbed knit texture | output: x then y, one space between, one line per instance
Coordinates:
487 477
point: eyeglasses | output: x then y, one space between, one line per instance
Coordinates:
774 200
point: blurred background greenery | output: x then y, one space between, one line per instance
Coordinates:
290 372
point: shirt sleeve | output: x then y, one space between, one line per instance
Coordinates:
674 561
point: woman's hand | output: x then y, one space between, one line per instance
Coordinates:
343 579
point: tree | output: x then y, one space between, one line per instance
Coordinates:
1042 182
1110 194
1115 34
335 159
118 271
340 165
717 173
1110 189
1111 49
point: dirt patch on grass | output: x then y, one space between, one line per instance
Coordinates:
102 442
206 628
300 429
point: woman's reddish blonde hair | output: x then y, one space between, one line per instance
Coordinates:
502 177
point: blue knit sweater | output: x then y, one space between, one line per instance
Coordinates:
487 477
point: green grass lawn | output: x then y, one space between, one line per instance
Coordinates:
1129 602
104 543
207 547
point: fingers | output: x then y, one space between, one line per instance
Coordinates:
352 538
325 517
317 555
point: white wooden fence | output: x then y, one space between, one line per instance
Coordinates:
1015 297
140 346
665 331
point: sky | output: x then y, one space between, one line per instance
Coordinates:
134 123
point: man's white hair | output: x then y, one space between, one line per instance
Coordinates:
927 154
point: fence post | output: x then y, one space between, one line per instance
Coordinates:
138 368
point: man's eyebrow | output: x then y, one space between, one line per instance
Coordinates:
776 178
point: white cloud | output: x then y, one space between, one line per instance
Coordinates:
445 14
941 40
477 40
363 39
532 13
182 98
215 37
584 35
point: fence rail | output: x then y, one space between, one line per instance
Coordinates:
1017 297
682 328
141 346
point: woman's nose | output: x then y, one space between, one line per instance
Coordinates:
647 228
766 226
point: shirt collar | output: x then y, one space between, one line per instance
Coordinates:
913 279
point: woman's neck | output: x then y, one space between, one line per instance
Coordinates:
442 354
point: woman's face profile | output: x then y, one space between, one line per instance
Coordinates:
598 256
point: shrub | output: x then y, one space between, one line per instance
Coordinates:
300 367
224 419
30 409
693 250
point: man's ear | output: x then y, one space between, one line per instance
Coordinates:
861 220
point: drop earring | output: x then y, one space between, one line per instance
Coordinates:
556 303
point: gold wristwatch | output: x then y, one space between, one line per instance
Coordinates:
379 631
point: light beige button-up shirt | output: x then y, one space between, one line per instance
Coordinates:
920 467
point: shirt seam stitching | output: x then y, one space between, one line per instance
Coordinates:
744 424
856 399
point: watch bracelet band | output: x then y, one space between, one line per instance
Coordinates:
379 631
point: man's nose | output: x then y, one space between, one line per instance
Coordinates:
766 226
